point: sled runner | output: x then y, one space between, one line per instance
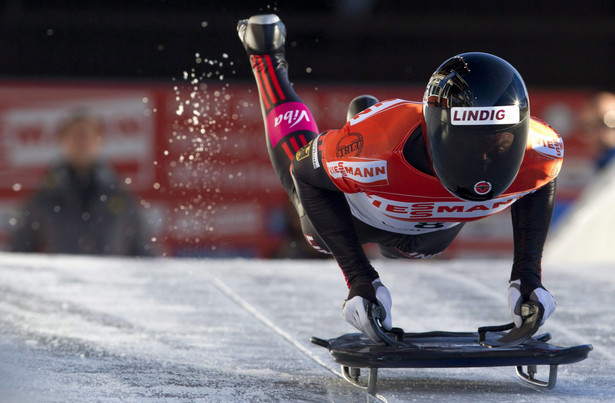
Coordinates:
488 347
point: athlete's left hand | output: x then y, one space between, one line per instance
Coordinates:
539 294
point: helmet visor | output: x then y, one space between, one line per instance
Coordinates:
478 164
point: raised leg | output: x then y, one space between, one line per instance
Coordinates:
289 124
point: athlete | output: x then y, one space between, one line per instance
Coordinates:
408 175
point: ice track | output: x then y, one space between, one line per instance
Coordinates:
102 329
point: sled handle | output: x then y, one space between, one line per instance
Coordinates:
374 312
482 331
532 313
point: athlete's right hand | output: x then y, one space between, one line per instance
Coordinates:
355 308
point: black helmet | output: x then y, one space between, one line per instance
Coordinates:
476 112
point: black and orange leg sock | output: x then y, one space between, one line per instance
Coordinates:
289 124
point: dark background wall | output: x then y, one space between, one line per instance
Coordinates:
567 43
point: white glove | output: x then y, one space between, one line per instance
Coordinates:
355 311
539 295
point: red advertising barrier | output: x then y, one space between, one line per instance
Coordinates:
194 154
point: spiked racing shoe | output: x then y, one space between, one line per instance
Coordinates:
262 34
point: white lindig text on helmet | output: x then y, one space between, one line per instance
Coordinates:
488 115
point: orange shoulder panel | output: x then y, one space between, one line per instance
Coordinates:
543 158
368 139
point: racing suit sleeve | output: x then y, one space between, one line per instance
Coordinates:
531 218
328 211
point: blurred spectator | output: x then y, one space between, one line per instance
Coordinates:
80 207
599 125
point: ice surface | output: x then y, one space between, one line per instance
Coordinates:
100 329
